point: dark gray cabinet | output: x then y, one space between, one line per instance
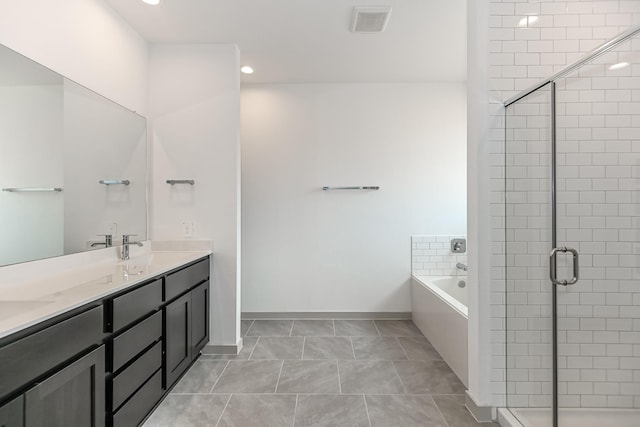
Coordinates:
199 317
186 330
52 376
160 328
110 362
177 337
73 396
12 413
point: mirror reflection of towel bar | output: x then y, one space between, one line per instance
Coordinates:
115 181
351 188
33 190
181 181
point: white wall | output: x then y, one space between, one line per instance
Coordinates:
194 124
309 250
84 40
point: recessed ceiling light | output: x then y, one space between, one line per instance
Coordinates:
246 70
527 21
619 66
152 2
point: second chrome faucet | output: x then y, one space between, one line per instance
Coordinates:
125 246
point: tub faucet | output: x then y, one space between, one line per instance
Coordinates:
461 266
125 246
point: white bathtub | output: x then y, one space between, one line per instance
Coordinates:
439 309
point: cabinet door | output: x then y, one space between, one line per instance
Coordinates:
178 338
73 396
199 318
11 414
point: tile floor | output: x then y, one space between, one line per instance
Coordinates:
336 373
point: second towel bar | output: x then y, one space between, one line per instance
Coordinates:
351 188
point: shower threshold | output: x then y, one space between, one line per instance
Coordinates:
573 417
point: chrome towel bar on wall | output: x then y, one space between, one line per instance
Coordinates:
115 181
33 190
351 188
181 181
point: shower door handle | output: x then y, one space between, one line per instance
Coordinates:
553 266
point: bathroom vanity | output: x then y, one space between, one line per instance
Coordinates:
101 352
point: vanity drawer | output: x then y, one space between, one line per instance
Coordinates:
128 381
133 305
134 411
180 281
126 345
27 359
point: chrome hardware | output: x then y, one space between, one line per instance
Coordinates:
181 181
33 190
125 245
108 241
553 266
351 188
458 246
461 266
462 283
115 181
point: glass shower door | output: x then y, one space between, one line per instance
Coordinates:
598 214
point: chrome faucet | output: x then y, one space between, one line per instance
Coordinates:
125 245
108 241
461 266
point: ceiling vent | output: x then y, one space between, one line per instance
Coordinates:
370 19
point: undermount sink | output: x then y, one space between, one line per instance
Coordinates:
13 308
143 260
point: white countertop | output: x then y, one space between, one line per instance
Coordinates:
33 292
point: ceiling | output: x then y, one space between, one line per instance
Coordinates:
295 41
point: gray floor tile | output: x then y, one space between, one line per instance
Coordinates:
422 377
419 348
366 376
278 348
355 328
248 343
378 348
257 410
405 411
201 377
398 328
312 328
188 410
270 328
244 326
249 376
309 376
328 348
456 414
333 410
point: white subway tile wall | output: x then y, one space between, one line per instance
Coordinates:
432 256
598 145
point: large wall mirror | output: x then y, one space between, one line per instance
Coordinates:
73 165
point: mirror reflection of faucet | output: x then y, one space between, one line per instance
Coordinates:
108 241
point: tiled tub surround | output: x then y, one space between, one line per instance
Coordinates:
320 373
432 256
33 292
